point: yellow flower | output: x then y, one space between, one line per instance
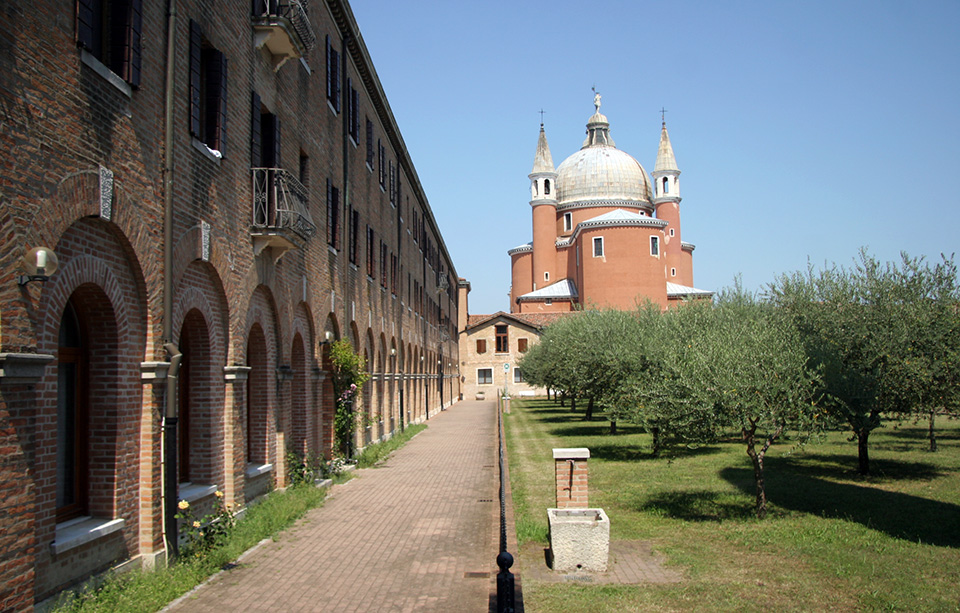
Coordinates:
218 494
196 524
183 505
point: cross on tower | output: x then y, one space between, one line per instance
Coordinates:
663 118
541 117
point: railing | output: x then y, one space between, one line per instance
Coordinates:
506 592
294 12
280 201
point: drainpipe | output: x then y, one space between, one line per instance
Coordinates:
169 473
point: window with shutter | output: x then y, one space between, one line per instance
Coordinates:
208 91
481 345
333 216
111 33
333 76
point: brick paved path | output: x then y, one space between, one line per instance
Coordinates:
406 536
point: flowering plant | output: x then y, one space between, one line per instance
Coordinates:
197 536
349 375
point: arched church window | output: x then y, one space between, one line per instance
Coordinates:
666 186
536 190
546 187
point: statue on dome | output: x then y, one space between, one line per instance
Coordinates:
596 100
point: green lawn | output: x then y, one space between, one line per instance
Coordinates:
832 541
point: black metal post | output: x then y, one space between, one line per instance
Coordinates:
506 593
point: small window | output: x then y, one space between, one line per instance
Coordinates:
536 190
671 231
567 222
666 186
503 342
484 376
546 187
548 302
598 247
517 376
654 246
673 272
546 276
481 345
522 345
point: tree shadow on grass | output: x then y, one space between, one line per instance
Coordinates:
596 429
847 465
700 506
625 453
898 515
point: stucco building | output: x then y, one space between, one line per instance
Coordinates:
491 346
604 233
225 191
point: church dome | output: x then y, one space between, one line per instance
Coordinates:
602 174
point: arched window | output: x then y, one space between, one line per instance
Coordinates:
546 187
72 418
666 186
536 190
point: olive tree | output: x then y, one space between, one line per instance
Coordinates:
884 335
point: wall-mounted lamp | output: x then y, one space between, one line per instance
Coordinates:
39 263
393 351
327 337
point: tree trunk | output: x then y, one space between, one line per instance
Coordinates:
757 459
657 441
573 403
613 426
862 435
933 434
563 398
589 414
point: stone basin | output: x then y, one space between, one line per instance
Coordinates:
579 539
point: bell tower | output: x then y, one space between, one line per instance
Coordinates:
543 201
666 200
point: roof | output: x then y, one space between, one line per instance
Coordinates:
534 320
543 161
675 290
563 288
665 157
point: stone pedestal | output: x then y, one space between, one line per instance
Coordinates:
579 539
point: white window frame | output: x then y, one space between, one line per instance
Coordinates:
673 272
567 222
595 243
655 245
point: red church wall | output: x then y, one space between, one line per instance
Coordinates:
626 273
522 277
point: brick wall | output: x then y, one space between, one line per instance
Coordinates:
86 179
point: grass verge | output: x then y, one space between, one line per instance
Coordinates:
142 590
377 452
833 540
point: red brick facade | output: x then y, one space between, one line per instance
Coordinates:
255 297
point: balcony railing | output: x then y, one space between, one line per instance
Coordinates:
280 203
284 28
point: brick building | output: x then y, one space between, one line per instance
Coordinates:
604 234
225 191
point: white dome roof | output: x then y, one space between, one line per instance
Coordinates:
600 173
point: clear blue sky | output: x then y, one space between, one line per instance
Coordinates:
803 130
